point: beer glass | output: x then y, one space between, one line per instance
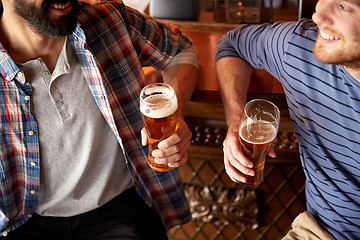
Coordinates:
258 128
158 107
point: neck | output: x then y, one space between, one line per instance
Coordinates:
353 72
23 43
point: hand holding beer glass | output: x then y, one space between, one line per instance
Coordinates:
258 128
158 107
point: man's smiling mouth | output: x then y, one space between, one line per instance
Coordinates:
327 36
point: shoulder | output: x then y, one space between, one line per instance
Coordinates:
97 16
306 28
108 13
99 9
297 36
100 4
295 30
301 28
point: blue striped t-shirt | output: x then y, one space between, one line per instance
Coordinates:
324 105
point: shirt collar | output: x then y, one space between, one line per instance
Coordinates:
63 65
8 68
78 35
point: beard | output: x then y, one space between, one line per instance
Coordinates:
40 21
344 54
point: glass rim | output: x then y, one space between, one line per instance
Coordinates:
171 96
276 109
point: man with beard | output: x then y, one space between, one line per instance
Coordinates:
318 65
73 148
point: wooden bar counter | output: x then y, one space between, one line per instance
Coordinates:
221 208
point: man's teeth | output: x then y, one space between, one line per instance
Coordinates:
327 36
61 5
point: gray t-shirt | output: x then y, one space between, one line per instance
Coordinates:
82 163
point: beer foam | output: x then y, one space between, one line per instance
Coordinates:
158 111
155 88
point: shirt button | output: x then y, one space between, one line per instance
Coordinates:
20 74
31 133
38 61
27 97
33 164
4 233
29 215
59 103
32 192
46 74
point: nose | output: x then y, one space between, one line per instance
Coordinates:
322 13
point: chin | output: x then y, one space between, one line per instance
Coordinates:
324 55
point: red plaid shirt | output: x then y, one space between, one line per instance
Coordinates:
112 43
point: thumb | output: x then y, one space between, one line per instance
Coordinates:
271 152
144 137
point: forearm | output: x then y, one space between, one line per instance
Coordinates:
234 77
183 78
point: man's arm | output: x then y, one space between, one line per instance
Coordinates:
234 76
182 75
183 78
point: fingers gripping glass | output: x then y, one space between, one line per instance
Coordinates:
258 128
158 107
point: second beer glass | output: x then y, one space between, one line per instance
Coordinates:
258 128
158 107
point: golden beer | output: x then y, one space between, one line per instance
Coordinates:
158 107
258 128
255 140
